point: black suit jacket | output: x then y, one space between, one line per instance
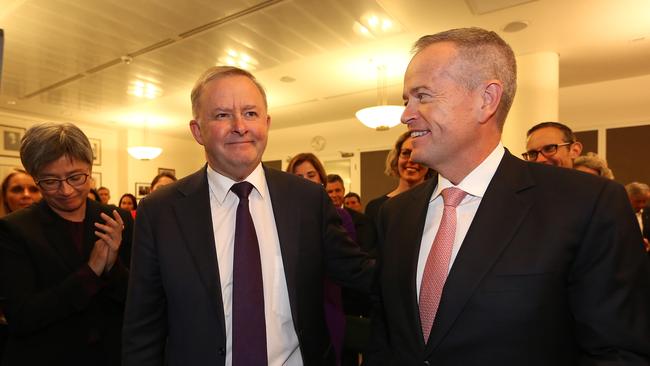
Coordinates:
551 272
175 291
59 312
645 218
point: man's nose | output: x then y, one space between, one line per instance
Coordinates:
238 124
408 115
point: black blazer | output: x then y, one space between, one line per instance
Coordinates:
174 294
551 272
55 317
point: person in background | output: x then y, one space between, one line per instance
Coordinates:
104 195
308 166
61 266
129 203
162 179
497 261
18 191
552 143
637 193
362 224
93 195
593 164
400 165
353 201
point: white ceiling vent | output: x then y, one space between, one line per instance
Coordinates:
480 7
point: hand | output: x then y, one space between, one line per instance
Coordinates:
98 257
111 236
646 244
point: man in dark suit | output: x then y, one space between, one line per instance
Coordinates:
498 261
638 193
62 268
185 299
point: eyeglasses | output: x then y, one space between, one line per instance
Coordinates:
546 150
53 184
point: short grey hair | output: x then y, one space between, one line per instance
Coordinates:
486 55
595 162
636 189
218 72
47 142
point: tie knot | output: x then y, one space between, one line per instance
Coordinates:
242 189
452 196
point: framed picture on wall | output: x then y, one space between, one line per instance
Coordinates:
97 178
10 140
142 189
167 170
96 145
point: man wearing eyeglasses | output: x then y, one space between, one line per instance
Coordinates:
60 260
552 143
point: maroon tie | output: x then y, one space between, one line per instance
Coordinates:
248 324
437 266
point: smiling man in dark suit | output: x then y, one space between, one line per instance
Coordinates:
228 263
497 261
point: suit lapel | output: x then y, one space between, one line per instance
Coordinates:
194 216
286 211
499 215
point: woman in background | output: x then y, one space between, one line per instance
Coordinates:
399 164
162 179
18 191
308 166
128 202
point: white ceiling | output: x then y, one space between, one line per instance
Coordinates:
62 58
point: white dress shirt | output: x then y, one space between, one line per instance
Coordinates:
475 184
639 218
281 339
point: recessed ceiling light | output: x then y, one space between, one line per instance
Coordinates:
287 79
515 26
144 89
372 25
11 102
239 59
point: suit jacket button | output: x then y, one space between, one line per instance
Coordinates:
426 363
222 351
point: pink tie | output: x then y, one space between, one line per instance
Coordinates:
437 267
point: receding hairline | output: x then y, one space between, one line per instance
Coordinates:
219 73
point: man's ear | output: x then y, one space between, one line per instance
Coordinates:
490 99
195 128
575 150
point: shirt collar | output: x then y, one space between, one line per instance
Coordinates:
220 185
477 181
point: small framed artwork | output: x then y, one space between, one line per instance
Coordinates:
10 140
142 189
96 145
167 170
97 179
